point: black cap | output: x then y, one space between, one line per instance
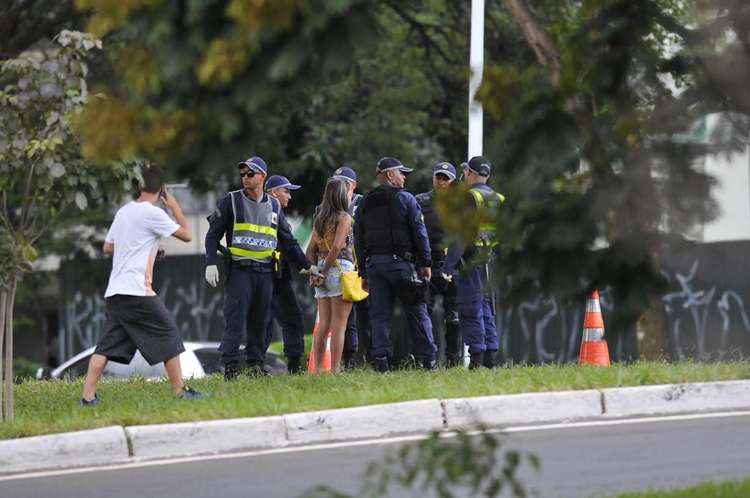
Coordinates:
389 163
479 165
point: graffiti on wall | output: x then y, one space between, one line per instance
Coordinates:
704 312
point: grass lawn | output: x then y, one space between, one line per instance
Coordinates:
44 407
732 489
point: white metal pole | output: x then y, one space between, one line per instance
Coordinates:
476 63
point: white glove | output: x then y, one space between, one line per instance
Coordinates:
212 275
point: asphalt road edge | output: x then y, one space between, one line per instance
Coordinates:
111 445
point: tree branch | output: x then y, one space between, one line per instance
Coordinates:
540 41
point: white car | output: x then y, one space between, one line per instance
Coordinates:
198 360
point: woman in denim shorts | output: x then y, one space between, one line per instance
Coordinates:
331 246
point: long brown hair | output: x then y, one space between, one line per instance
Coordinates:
335 202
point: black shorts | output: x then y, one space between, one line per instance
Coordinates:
142 323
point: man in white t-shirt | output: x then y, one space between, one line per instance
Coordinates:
136 318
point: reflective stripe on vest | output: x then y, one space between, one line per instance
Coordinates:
487 229
254 233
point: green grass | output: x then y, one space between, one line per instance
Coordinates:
732 489
44 407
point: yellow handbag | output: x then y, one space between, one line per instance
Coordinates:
351 283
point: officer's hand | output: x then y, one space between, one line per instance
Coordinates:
426 273
365 285
212 275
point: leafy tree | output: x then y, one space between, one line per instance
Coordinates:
587 143
25 23
44 174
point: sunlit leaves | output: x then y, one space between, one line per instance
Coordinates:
111 14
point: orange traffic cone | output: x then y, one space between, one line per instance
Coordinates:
594 350
326 365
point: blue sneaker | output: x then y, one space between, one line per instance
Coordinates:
190 393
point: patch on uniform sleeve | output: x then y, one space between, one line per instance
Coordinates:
274 218
214 216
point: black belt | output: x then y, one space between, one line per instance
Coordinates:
407 256
250 263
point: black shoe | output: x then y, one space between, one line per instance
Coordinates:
190 393
452 361
231 371
293 365
476 360
256 370
490 359
381 364
430 365
94 402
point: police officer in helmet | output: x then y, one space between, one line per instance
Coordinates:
285 308
254 226
472 258
391 237
443 176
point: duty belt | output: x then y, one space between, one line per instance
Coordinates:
249 263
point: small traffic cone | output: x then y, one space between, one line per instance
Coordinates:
594 350
326 365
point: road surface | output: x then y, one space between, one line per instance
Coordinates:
578 460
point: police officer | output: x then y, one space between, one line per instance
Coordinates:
391 237
357 338
475 306
285 308
443 176
254 226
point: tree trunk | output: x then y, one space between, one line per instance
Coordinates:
3 301
8 381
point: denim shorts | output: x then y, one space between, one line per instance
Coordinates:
332 285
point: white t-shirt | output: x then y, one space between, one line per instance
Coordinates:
135 233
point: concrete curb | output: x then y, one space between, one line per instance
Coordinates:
93 447
676 398
213 436
498 411
149 442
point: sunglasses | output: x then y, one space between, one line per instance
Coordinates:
248 174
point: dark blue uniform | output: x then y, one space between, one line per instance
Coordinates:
439 285
391 238
475 307
249 287
285 309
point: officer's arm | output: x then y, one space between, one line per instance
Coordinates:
359 239
289 245
219 222
418 232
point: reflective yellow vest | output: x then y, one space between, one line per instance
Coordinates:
487 204
254 233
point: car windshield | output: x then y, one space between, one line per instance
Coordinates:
210 359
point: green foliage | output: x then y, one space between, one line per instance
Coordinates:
449 465
45 407
24 369
44 174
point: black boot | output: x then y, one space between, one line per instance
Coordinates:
231 371
430 365
381 364
293 365
490 359
256 369
476 360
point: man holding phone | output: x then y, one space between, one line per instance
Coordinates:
136 318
